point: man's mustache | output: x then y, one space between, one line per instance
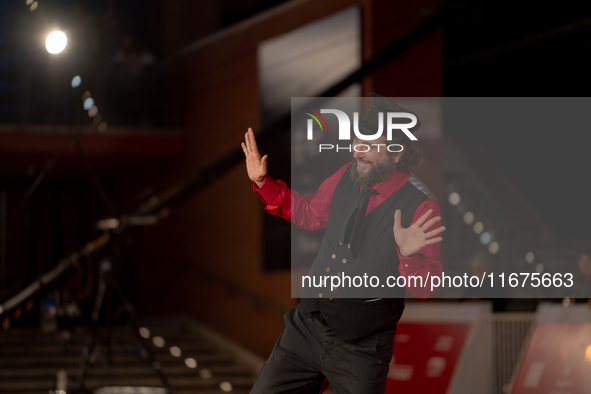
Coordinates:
365 160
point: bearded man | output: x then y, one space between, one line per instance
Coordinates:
379 219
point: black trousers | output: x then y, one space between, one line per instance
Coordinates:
308 352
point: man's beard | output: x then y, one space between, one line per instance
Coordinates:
374 175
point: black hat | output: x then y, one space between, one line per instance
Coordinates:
369 123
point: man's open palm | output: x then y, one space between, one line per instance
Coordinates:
255 165
414 238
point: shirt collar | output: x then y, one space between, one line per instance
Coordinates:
392 184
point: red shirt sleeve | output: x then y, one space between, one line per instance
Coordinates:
426 263
308 212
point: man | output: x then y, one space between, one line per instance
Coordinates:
379 218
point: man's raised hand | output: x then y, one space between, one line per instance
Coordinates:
414 238
255 165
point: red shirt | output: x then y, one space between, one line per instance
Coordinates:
311 212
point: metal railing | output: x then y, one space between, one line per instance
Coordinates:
510 334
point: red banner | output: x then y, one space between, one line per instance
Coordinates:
425 356
557 360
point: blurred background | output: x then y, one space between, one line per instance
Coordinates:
122 180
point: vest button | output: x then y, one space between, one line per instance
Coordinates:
334 256
328 270
340 243
330 300
344 261
319 294
349 246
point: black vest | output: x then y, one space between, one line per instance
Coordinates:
357 315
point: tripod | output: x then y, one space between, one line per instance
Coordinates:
108 284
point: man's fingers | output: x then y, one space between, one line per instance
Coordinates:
431 222
253 141
244 149
423 218
247 142
435 232
434 240
397 219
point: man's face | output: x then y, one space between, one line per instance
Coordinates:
375 165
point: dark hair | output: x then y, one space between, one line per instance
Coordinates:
412 156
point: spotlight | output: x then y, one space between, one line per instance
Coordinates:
566 302
454 198
493 248
76 81
478 228
468 217
144 332
158 341
88 103
175 351
191 363
56 42
92 111
485 238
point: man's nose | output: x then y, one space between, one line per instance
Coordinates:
356 154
